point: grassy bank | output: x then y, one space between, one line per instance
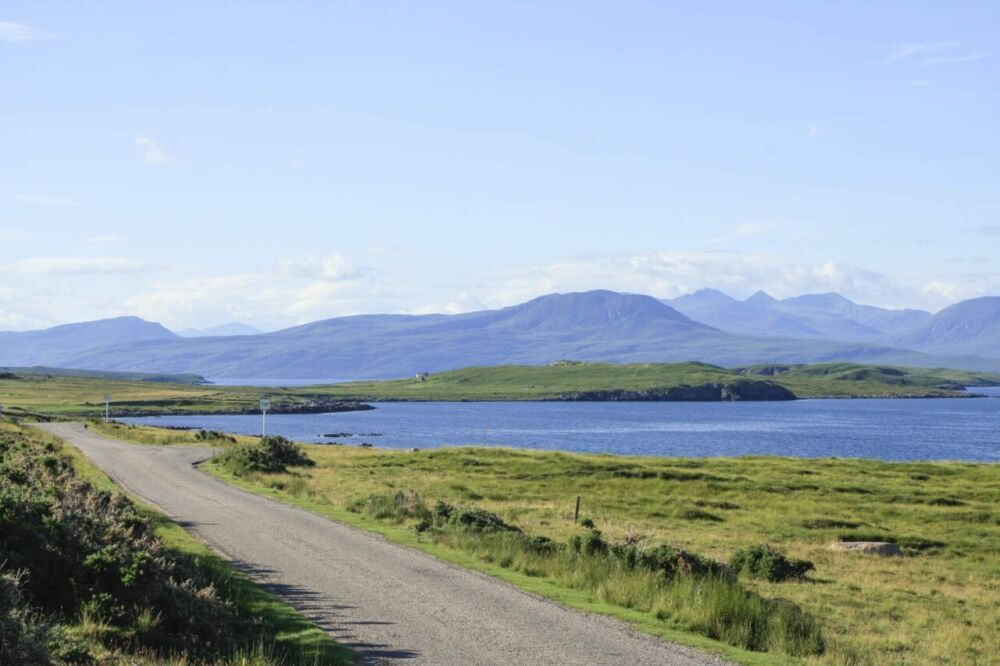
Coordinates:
938 603
89 576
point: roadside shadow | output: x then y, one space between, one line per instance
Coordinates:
325 614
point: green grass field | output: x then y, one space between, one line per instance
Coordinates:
562 380
74 396
77 397
939 603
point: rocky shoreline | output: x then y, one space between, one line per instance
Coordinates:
733 392
174 407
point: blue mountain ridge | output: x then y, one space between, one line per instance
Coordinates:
590 326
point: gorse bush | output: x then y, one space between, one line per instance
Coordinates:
764 562
85 554
270 454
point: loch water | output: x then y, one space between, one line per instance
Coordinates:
900 429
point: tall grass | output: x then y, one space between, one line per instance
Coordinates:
691 591
938 604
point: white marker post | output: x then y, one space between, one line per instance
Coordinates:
107 406
265 405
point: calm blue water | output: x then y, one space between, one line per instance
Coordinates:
943 429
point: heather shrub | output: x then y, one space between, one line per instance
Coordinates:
763 561
22 636
84 553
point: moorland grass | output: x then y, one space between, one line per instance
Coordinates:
939 603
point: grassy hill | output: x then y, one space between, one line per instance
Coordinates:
576 381
83 396
853 379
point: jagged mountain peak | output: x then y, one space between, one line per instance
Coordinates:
761 298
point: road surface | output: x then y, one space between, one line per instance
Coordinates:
390 604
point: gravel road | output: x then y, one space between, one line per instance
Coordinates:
389 604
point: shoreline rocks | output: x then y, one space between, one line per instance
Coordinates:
153 408
732 392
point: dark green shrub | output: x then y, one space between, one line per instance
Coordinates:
540 545
443 511
270 454
479 520
213 436
764 562
592 543
588 523
673 561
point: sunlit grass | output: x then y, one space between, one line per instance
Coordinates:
937 604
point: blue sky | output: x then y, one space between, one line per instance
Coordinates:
196 163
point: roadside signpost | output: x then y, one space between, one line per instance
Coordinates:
265 405
107 406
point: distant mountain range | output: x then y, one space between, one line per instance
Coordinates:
823 316
591 326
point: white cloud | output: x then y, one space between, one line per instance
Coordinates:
72 265
463 302
955 59
297 291
150 149
17 32
934 53
669 274
48 200
334 268
914 49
